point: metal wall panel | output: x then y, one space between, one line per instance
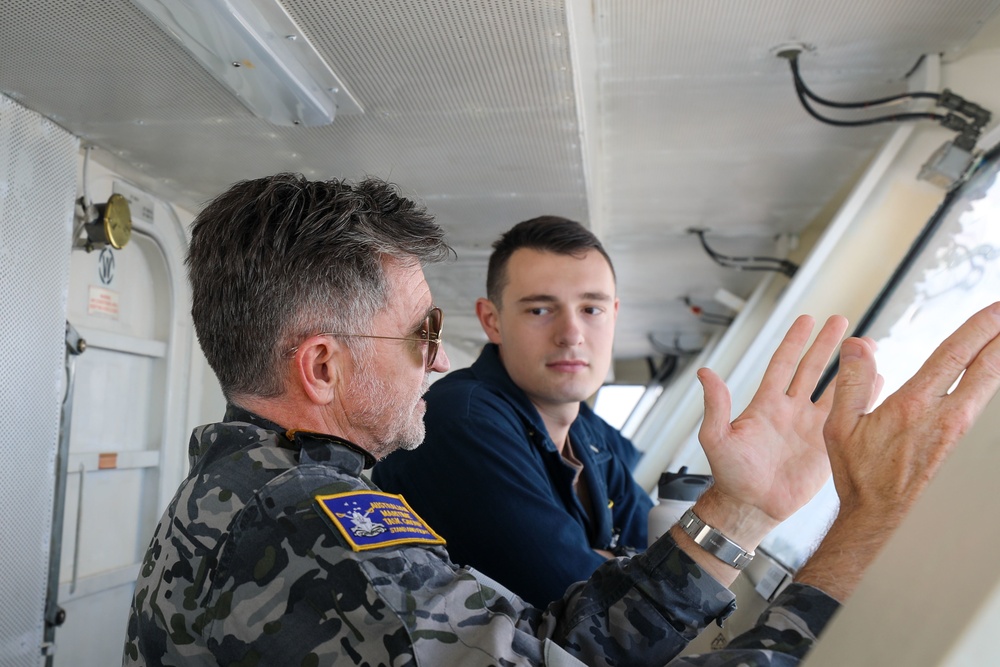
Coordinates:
37 188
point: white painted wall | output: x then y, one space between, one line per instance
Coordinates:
141 386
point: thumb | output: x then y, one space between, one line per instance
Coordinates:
855 389
718 406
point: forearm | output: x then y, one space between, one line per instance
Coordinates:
852 543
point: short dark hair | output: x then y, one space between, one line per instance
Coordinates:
273 260
549 233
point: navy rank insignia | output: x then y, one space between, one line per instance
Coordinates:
374 519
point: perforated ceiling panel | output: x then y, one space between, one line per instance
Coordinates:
37 187
468 105
472 107
701 128
686 120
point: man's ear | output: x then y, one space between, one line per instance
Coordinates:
489 319
318 368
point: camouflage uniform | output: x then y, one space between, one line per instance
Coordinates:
247 568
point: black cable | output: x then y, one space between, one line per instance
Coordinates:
715 318
674 351
719 257
666 369
916 66
705 316
866 104
894 118
968 127
783 265
968 130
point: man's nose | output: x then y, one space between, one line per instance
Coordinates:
441 362
569 331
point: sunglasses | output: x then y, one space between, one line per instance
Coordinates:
430 333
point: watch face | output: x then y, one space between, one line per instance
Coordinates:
117 222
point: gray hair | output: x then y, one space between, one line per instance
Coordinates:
276 259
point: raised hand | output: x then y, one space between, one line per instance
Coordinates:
771 459
885 459
882 461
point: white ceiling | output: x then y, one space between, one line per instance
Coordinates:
641 118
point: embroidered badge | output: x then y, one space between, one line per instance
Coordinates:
373 519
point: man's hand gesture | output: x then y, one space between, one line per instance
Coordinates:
772 459
883 460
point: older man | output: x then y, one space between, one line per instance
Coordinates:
311 306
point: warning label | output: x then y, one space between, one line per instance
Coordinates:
102 302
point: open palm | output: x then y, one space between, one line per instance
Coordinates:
772 458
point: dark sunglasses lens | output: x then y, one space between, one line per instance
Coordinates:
433 332
434 322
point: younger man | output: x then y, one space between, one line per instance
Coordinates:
517 473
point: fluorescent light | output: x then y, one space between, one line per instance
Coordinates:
254 49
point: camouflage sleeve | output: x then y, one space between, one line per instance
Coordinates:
292 589
638 611
784 634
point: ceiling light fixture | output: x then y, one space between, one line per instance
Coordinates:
255 49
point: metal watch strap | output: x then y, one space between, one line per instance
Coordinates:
714 542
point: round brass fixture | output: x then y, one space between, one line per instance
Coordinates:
106 224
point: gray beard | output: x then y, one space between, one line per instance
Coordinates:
394 425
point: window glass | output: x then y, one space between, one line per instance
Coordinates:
615 402
954 272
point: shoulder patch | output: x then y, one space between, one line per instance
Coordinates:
374 519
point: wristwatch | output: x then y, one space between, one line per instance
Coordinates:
714 542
